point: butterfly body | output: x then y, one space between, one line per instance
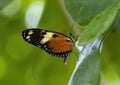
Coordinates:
54 43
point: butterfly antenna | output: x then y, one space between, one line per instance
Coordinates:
77 16
77 31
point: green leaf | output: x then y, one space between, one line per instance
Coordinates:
90 9
87 71
111 59
99 24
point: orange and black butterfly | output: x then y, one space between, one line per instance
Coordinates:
54 43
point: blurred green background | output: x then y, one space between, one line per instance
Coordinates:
24 64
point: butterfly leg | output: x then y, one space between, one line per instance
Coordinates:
66 59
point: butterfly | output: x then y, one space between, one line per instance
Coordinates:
54 43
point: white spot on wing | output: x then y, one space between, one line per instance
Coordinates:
28 37
24 35
30 32
39 46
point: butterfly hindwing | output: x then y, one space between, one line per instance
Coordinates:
54 43
60 46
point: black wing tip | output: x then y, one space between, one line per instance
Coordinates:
24 33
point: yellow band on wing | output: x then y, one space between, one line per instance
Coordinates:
47 37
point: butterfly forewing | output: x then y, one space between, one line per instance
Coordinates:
54 43
33 36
